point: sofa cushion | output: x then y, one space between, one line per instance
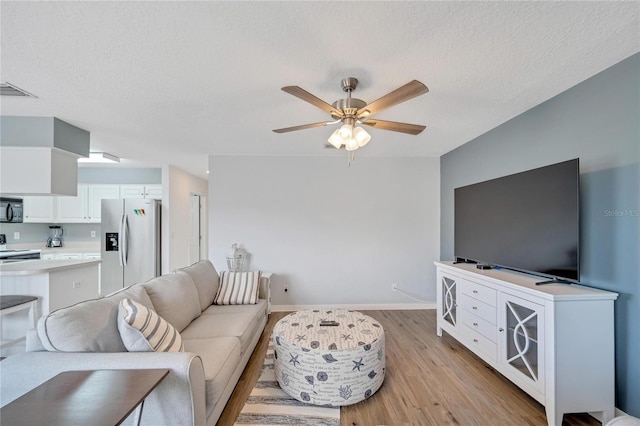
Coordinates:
143 330
220 357
218 322
89 326
238 288
174 298
206 279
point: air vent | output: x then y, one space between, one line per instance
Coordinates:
8 89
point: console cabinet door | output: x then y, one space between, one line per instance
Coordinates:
522 341
447 303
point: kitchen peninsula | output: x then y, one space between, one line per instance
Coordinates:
57 283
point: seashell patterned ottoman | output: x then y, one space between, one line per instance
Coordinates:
329 364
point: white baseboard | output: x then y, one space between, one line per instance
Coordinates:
617 413
357 307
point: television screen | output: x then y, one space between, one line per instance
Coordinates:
527 221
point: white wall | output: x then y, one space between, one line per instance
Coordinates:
177 186
333 234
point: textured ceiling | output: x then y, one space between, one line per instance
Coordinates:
170 82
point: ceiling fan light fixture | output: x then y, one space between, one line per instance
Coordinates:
361 136
352 111
335 139
351 145
346 131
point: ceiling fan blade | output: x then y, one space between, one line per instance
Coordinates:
410 90
303 126
394 126
312 99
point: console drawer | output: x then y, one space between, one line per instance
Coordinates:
476 307
480 325
480 292
478 342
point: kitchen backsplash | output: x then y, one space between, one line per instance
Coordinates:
38 233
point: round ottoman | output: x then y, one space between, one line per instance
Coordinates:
338 364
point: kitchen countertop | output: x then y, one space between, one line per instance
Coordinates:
32 267
68 247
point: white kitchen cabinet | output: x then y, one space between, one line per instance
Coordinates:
95 195
91 255
87 206
39 209
141 191
47 256
555 342
153 192
68 256
73 209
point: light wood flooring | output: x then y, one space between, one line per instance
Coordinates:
429 381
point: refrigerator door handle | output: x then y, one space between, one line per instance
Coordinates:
125 240
121 248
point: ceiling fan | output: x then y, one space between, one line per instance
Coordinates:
351 112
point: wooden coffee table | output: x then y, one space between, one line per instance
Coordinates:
96 397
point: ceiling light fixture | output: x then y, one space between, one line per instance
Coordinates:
354 112
99 157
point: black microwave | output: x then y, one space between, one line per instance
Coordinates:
10 210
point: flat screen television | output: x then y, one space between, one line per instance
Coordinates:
528 221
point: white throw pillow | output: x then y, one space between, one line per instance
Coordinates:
238 288
143 330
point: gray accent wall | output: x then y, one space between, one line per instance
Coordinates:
597 121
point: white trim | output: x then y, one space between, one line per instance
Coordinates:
359 307
619 413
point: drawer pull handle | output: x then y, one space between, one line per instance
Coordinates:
501 329
475 307
475 324
475 291
475 340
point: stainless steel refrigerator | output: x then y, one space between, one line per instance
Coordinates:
130 243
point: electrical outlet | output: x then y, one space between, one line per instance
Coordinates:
93 234
76 284
16 235
394 287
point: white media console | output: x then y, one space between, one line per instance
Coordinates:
555 341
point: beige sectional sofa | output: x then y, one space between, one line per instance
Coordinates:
218 342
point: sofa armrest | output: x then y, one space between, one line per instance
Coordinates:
265 289
178 400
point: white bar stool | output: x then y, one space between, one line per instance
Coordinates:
11 304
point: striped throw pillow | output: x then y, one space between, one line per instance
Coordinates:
143 330
238 288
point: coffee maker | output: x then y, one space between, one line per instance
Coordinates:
55 239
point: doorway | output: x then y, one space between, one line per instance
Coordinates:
195 228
